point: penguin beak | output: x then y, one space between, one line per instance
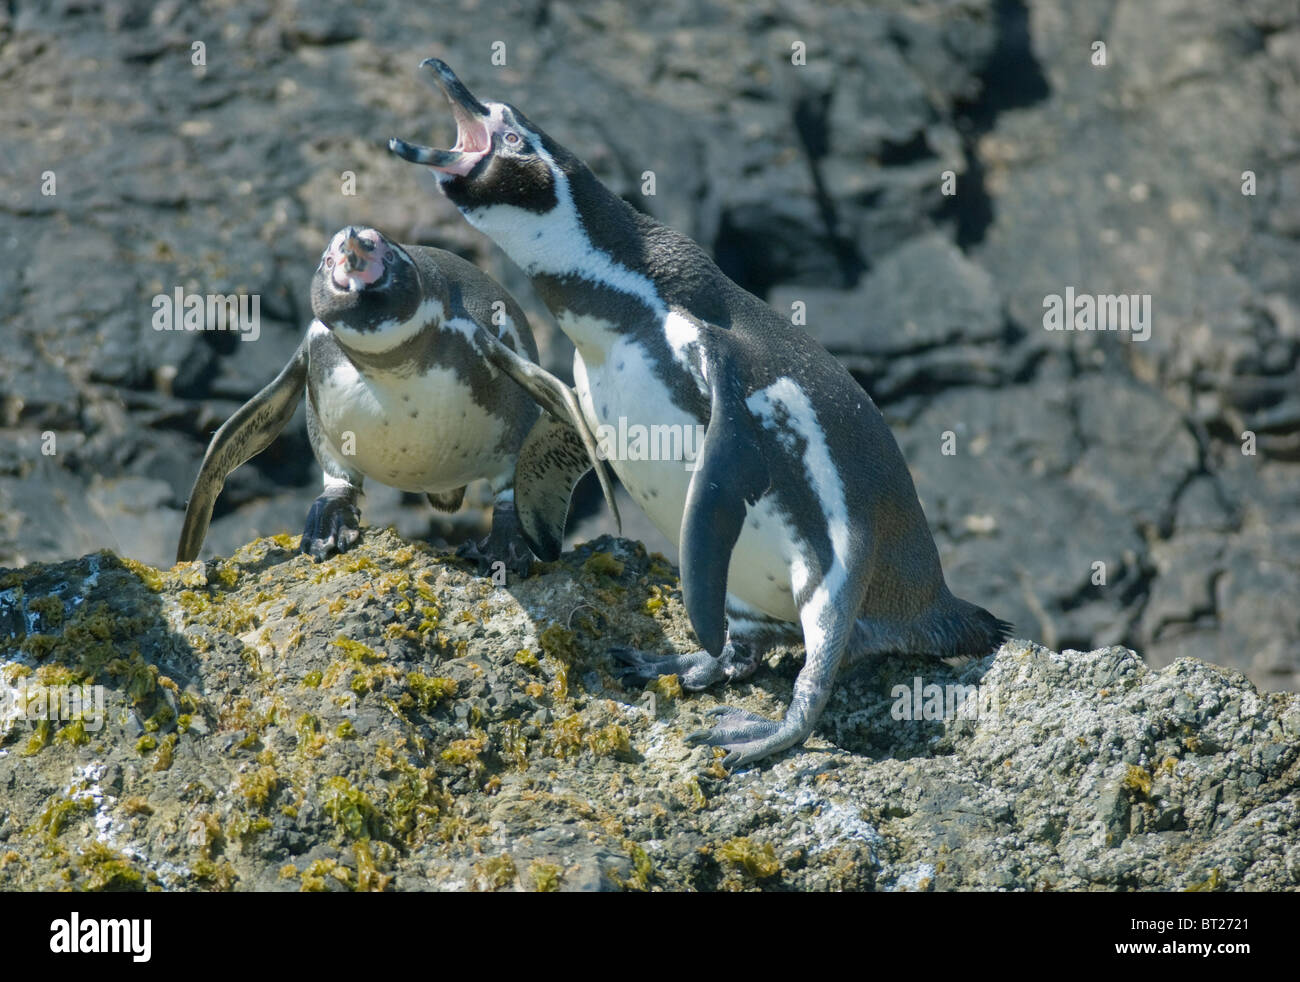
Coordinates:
473 139
358 260
354 254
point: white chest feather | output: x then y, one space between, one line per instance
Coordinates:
415 433
624 403
624 400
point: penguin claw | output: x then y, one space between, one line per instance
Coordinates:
513 553
627 666
747 736
737 712
505 544
735 726
696 670
333 525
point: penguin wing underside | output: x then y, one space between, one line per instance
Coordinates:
560 401
550 463
730 474
246 434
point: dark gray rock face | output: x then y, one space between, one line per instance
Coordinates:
386 720
919 186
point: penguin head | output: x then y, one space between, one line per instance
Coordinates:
500 158
364 287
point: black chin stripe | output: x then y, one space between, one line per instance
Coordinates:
495 180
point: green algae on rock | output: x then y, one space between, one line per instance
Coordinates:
387 721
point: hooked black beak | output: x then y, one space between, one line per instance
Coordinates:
453 87
473 139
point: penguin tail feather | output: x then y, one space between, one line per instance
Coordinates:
968 630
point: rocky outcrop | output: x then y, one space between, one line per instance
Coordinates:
387 721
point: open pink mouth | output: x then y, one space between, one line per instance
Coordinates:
473 140
473 136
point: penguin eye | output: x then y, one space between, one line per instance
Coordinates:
329 262
512 138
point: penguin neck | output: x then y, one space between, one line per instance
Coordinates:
584 259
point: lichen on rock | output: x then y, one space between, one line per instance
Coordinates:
386 720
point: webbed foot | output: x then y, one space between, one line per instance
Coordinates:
748 736
504 544
697 670
333 524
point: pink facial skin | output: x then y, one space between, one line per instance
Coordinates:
356 259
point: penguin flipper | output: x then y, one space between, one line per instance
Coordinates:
552 459
560 401
246 434
730 474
